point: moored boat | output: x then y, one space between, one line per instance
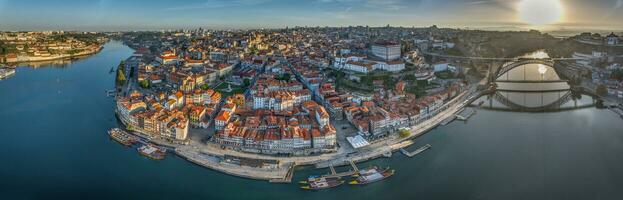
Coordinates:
322 183
306 181
152 152
122 137
372 175
6 72
365 172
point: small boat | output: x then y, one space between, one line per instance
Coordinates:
365 172
122 137
112 69
312 177
6 73
373 176
152 151
322 183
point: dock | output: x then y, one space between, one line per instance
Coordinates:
352 164
447 120
416 152
465 114
287 178
335 174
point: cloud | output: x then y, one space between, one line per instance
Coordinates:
376 4
480 2
618 4
218 4
386 4
499 4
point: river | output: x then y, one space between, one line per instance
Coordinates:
54 146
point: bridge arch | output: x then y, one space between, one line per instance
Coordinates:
506 68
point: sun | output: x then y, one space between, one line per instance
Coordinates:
540 12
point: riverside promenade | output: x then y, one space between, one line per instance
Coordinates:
211 155
32 59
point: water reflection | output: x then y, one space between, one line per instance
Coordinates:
533 88
549 101
57 63
530 72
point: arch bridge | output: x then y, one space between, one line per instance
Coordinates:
520 62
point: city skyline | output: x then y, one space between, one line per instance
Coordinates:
105 15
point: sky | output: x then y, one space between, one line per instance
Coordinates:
102 15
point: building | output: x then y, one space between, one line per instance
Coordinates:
221 119
425 74
392 66
301 131
612 39
167 57
10 58
126 107
340 61
361 67
237 99
224 69
386 50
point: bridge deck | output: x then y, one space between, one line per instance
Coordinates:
531 81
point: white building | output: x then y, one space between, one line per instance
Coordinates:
359 66
386 50
340 61
440 67
588 59
392 66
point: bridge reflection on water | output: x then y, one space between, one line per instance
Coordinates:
550 101
532 86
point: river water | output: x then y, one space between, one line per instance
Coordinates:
54 146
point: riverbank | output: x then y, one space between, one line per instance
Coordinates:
213 156
32 59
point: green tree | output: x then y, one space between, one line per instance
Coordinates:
284 77
404 133
410 77
601 90
246 82
144 83
121 74
205 86
120 77
617 74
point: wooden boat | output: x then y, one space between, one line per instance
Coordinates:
122 137
366 171
372 176
322 183
152 151
306 181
